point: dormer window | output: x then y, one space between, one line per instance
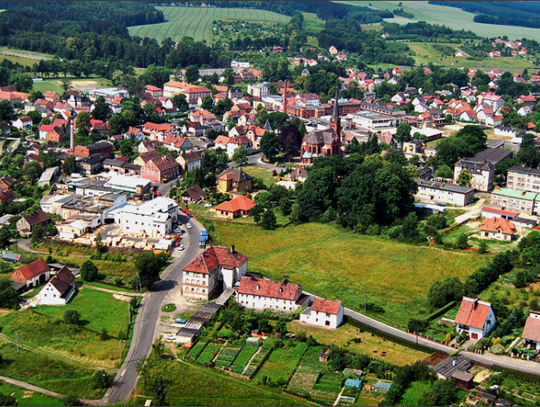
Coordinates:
258 287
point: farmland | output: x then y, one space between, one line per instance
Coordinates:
281 363
243 358
196 22
329 261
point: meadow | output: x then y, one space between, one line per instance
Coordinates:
28 397
340 265
196 22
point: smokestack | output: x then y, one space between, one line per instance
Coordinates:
72 137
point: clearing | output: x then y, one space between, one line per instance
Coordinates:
196 22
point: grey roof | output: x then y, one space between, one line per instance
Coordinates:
320 137
4 219
442 186
492 155
475 167
462 375
93 159
112 161
447 367
524 221
524 170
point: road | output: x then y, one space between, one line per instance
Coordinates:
23 55
147 319
256 159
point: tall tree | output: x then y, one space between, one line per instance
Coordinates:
270 145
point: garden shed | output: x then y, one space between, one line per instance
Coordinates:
382 387
354 383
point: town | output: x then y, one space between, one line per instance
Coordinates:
289 220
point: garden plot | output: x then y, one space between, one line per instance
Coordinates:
243 358
227 356
282 363
258 360
208 354
302 382
328 387
196 350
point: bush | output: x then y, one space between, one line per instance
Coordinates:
72 317
497 349
89 271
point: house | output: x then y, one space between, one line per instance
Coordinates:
6 183
52 97
475 317
192 92
120 166
161 169
59 290
531 333
23 123
439 192
234 180
27 223
56 135
299 174
523 179
176 142
518 201
494 121
497 228
214 270
145 157
92 164
31 275
194 195
100 147
189 161
490 212
152 218
324 313
230 144
482 173
239 206
262 294
324 355
148 146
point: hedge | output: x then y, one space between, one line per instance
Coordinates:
441 311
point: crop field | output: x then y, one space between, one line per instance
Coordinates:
243 358
227 356
413 393
208 353
281 363
327 387
196 350
257 360
451 17
196 22
334 263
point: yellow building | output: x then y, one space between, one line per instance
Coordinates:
234 180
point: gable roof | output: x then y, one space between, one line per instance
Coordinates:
493 225
212 258
326 306
191 156
37 217
196 193
34 269
235 174
239 203
164 162
532 327
283 290
473 312
149 156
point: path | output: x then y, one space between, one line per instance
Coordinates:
106 290
473 211
338 396
23 55
253 357
26 243
29 386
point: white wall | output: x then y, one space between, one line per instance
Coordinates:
49 295
266 303
321 319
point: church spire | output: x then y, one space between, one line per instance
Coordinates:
335 112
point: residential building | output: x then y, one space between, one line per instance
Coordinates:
192 92
153 218
100 147
497 228
262 294
239 206
148 146
482 173
490 212
176 142
189 161
230 144
143 158
27 223
59 290
438 192
531 333
492 155
475 317
523 179
518 201
299 174
121 167
234 180
23 123
56 135
214 270
31 275
6 183
194 195
258 90
92 164
161 169
324 313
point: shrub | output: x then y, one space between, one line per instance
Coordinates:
497 349
72 317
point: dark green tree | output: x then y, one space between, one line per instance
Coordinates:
9 298
69 166
89 271
37 234
160 392
270 145
148 265
269 220
240 156
72 317
101 379
403 133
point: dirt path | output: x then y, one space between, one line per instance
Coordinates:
29 386
253 357
25 245
106 290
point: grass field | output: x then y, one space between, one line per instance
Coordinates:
451 17
260 172
196 22
28 397
329 261
413 393
312 23
190 385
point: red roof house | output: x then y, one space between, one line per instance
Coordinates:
475 317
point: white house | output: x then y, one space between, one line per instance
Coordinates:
232 143
531 333
258 90
59 290
262 294
475 317
323 313
153 218
22 123
239 64
497 228
216 269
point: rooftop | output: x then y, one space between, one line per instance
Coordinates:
511 193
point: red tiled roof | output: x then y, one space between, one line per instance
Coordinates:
326 306
239 203
500 211
34 269
213 257
164 162
473 313
532 328
283 290
497 225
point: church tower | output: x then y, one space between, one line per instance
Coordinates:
335 124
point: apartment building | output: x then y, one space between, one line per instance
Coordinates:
438 192
523 179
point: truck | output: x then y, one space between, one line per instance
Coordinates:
203 238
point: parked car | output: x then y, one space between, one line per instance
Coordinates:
190 215
180 321
181 248
188 225
207 205
170 337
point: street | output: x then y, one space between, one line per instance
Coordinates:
147 319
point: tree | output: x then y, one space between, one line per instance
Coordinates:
37 234
23 82
69 166
72 317
148 265
6 111
89 271
101 109
5 236
285 205
444 171
71 400
181 102
101 379
104 334
160 392
8 400
403 133
462 241
83 121
117 125
270 145
35 95
142 369
464 178
99 243
291 139
9 298
240 156
269 220
483 247
35 116
192 74
207 103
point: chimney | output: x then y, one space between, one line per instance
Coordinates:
72 137
453 363
258 287
232 249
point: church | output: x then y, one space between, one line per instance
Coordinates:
323 142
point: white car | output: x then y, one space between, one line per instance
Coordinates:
207 205
170 337
188 225
181 247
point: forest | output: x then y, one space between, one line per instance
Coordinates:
516 13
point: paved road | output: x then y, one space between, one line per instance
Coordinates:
28 386
148 317
23 55
256 159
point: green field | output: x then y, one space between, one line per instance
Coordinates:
196 22
413 393
451 17
47 86
281 363
329 261
28 397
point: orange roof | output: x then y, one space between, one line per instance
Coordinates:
212 258
267 288
532 327
498 225
34 269
473 313
326 306
238 203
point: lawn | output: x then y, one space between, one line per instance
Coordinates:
47 86
19 60
189 385
413 393
471 229
263 173
281 363
28 397
312 23
48 373
98 308
329 261
196 22
371 345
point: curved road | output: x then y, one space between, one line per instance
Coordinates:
145 324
